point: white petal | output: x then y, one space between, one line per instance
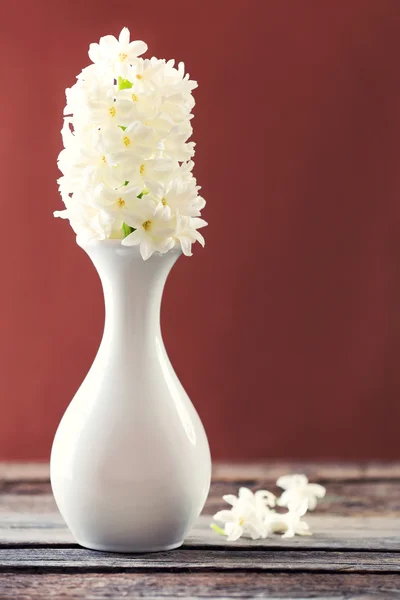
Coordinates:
109 44
303 528
186 245
284 499
288 481
225 516
230 499
146 250
124 36
63 214
246 494
200 238
233 531
317 490
278 526
288 534
133 239
267 497
253 531
136 49
197 223
94 53
298 505
311 502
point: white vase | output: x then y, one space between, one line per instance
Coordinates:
130 463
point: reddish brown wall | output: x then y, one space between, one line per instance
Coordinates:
286 329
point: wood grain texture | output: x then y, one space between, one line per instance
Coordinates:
16 471
184 559
340 533
266 470
161 585
347 498
322 471
354 553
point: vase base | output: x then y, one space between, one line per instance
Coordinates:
129 549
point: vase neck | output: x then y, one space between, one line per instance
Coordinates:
132 290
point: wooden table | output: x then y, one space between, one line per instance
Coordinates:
354 553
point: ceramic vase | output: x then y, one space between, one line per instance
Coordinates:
130 463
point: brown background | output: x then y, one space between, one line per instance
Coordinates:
285 330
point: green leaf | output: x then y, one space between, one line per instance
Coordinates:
124 84
122 127
127 229
217 529
126 182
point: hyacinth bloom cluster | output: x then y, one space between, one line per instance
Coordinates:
253 514
126 162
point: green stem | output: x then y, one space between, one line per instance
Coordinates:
217 529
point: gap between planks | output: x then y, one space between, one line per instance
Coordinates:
206 547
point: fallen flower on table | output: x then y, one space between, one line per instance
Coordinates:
299 492
261 501
252 514
242 519
247 515
290 524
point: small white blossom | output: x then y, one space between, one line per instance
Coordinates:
240 520
290 524
87 222
133 144
299 492
175 144
187 232
118 54
246 517
119 202
178 196
262 500
153 230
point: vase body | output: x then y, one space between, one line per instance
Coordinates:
130 463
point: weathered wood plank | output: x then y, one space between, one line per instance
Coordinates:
344 498
24 471
349 498
364 498
253 559
341 533
267 470
161 585
357 553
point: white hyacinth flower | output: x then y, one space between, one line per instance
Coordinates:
299 492
262 500
241 520
126 168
